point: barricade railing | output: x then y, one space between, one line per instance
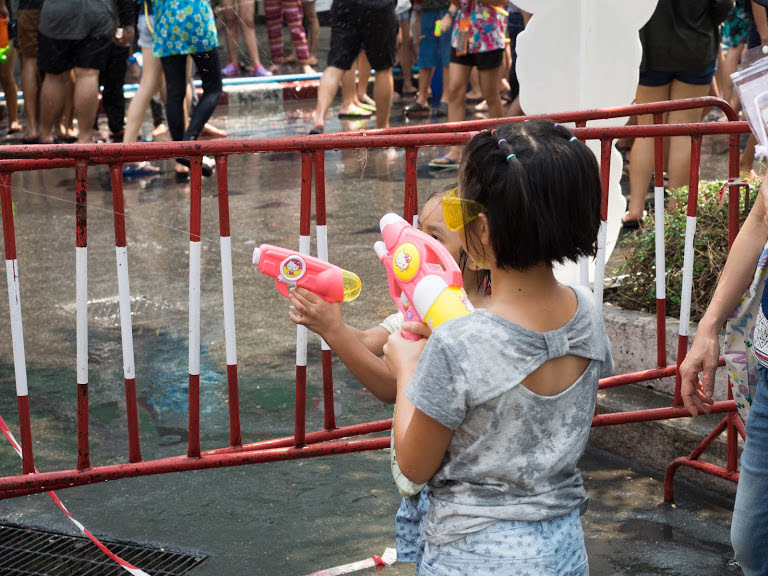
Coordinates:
332 439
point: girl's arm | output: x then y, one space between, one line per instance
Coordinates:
735 279
420 441
359 350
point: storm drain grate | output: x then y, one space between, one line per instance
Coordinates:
27 552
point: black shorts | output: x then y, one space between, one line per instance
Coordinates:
57 56
357 26
483 60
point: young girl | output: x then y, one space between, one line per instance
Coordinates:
360 352
494 410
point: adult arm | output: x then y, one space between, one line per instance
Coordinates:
359 350
4 10
735 279
420 441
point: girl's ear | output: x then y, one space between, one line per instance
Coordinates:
483 230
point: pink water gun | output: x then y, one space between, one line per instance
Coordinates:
290 268
424 280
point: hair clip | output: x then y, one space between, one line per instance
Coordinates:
555 125
511 156
502 140
572 139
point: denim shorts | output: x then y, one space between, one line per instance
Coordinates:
410 517
433 50
749 527
547 548
701 77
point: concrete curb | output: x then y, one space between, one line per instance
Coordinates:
654 444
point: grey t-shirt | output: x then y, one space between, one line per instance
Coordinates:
513 454
78 19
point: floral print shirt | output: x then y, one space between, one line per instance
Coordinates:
183 27
487 29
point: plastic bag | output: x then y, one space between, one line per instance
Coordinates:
751 81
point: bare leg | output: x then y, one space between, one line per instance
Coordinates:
313 32
348 95
474 82
425 79
326 92
363 76
30 84
245 9
10 89
67 119
151 79
457 109
679 162
489 84
383 87
51 103
86 101
641 156
230 19
405 55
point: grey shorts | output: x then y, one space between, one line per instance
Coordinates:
145 36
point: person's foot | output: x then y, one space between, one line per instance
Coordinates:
208 165
354 113
212 132
318 126
230 70
274 70
446 162
442 108
417 110
160 131
409 90
14 128
313 61
140 169
291 58
260 70
307 69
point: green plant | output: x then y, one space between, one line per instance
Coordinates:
635 278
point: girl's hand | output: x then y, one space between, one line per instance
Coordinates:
314 312
702 358
401 356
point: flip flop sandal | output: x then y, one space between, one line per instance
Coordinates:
444 162
207 165
355 114
140 169
366 106
417 110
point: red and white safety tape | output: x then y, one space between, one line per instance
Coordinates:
123 564
387 559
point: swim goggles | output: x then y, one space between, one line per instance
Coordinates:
458 211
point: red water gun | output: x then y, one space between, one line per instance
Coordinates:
290 268
424 280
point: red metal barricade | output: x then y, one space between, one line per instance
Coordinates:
333 439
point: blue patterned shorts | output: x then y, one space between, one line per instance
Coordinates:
410 516
549 548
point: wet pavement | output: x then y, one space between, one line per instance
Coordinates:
288 518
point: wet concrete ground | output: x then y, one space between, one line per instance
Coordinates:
283 518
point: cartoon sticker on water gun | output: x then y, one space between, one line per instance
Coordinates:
424 280
290 268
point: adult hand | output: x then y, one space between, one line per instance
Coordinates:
4 11
314 312
401 357
701 359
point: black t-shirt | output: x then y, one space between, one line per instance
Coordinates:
31 4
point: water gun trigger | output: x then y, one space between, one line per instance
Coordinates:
283 288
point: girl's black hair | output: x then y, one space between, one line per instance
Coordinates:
541 191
